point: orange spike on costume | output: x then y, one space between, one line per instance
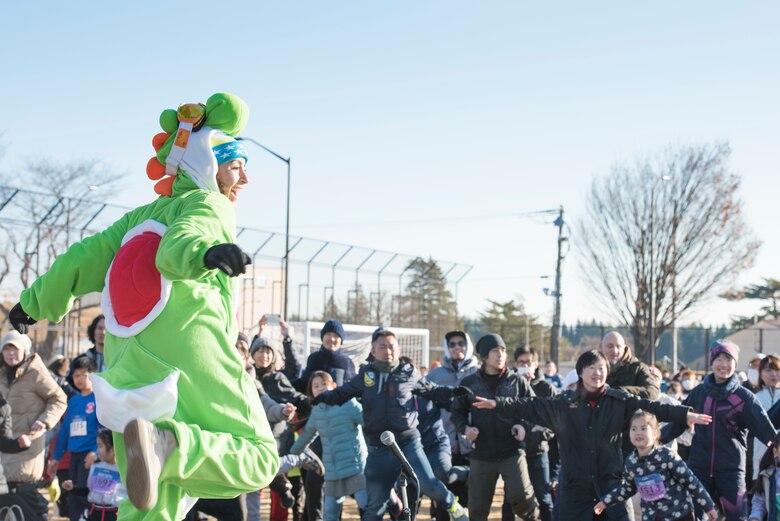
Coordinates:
165 186
154 169
159 140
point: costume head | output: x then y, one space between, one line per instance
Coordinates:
197 138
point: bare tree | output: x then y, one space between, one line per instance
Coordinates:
700 241
43 209
41 223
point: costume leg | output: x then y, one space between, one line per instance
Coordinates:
205 464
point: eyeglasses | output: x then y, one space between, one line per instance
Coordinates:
461 343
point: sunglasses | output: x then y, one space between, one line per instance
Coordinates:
461 343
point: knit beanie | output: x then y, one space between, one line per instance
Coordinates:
724 346
258 343
19 340
489 342
333 326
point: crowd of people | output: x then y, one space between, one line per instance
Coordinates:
172 412
572 448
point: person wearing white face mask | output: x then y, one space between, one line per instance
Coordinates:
537 440
753 378
768 394
688 381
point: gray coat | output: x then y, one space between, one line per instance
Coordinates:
450 374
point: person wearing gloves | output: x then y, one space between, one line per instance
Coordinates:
538 439
186 417
330 357
589 423
37 403
718 451
499 444
459 362
389 404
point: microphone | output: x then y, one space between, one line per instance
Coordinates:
388 440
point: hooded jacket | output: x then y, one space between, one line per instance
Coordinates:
589 439
388 402
721 446
451 374
633 376
33 396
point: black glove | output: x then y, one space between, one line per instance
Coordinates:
423 388
317 400
461 391
228 258
19 319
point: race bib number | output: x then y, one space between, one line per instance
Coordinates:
78 426
651 487
104 481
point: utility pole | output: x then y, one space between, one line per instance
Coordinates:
556 327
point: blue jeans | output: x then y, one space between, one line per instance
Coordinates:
332 505
383 468
539 469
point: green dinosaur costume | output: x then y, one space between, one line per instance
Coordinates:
171 329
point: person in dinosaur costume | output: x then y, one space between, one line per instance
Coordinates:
191 421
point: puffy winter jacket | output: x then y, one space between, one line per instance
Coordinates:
634 377
340 430
33 396
722 445
451 374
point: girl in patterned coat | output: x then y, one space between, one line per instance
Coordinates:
666 485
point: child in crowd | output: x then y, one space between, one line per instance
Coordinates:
343 447
104 488
78 435
665 484
765 492
718 450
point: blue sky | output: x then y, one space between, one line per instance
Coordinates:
413 111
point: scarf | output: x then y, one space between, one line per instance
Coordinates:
590 396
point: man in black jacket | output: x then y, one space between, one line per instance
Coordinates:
498 442
386 386
538 439
626 371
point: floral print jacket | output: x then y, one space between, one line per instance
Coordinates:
665 484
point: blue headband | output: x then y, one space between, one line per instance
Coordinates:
229 151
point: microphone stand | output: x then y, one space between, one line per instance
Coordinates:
402 482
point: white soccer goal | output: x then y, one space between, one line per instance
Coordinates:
414 342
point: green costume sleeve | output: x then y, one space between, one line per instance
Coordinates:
204 222
80 270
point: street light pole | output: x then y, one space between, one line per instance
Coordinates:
287 221
651 322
